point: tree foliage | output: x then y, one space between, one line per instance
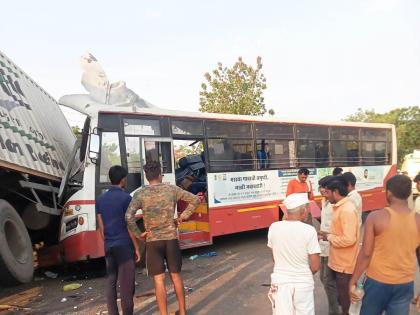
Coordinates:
76 131
237 90
406 121
183 148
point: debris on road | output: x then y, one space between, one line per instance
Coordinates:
209 254
72 286
51 275
193 257
63 300
11 307
188 289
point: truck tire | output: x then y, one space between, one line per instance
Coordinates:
16 260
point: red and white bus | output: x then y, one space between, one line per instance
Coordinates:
240 164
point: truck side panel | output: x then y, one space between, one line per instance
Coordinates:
34 133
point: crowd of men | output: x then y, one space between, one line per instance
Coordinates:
299 250
385 270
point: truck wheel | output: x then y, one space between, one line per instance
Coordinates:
16 260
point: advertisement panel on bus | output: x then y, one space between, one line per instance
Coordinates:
226 189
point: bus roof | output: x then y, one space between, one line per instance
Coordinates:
247 118
85 105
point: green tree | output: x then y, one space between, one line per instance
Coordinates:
237 90
76 131
407 125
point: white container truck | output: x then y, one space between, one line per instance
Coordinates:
36 146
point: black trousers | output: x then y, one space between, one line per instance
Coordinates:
342 281
120 266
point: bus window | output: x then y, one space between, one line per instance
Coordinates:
374 153
110 154
274 154
313 153
346 134
312 146
132 147
312 132
187 127
374 135
230 155
142 127
273 131
159 151
275 146
345 152
222 129
345 146
374 146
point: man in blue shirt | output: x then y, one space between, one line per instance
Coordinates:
119 255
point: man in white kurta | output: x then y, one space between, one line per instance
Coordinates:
296 258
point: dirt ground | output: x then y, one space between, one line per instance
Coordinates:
234 282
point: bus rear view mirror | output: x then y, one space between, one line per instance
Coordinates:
85 136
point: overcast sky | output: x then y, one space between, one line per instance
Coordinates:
322 59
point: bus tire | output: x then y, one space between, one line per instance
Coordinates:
16 258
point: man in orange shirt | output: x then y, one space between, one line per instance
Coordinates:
391 238
343 238
300 184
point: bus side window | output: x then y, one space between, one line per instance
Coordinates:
275 154
313 153
275 147
230 155
345 146
374 146
374 153
230 145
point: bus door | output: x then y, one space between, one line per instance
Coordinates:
159 149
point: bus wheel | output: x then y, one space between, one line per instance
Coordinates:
16 260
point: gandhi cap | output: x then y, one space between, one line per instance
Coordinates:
296 200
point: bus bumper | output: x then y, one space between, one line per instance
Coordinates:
83 246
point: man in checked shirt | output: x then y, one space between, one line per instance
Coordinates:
158 203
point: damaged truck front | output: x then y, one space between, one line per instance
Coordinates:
38 151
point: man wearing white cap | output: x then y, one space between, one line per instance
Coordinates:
296 258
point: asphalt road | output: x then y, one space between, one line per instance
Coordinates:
234 282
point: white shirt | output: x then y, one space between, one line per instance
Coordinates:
326 218
356 199
292 242
417 204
